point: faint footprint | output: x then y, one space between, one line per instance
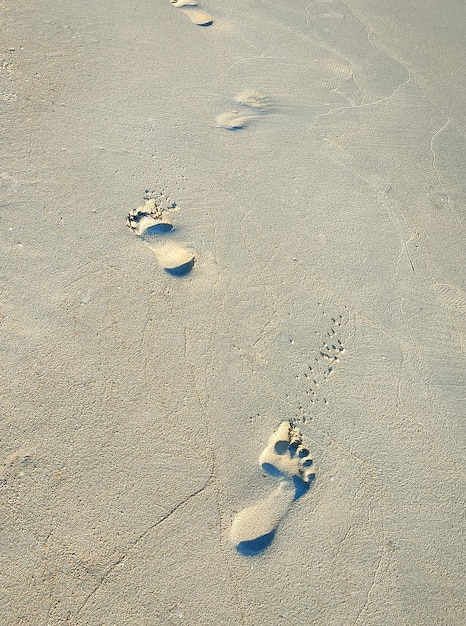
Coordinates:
254 99
376 74
197 16
234 120
237 119
327 143
14 467
285 457
453 297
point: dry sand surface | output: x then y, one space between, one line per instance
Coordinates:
311 156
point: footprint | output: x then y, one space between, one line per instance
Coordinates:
149 219
152 220
376 74
254 100
197 16
174 258
250 99
234 120
285 457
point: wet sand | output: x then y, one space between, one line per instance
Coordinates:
310 156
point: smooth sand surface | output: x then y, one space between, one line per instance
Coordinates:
328 289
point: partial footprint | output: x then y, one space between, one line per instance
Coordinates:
376 73
453 297
254 100
149 219
254 528
234 120
13 468
197 16
201 18
174 258
285 457
250 99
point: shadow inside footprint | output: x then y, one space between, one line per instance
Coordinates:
181 270
301 487
271 470
160 228
281 447
257 545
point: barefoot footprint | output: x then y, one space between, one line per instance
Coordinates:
254 100
285 457
234 120
197 16
249 99
175 259
152 220
149 219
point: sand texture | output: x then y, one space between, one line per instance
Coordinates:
248 407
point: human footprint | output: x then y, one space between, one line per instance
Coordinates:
234 120
175 259
197 16
151 222
149 219
285 457
254 104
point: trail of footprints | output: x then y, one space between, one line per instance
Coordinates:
286 458
249 104
152 222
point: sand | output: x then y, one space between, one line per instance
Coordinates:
328 238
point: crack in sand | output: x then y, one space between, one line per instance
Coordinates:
434 155
406 251
214 461
364 105
351 526
135 542
437 173
372 586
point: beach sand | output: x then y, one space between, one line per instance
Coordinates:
310 156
